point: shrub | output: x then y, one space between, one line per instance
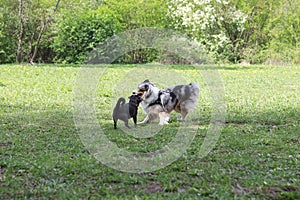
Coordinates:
78 35
7 42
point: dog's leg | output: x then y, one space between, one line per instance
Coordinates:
167 118
115 123
161 118
183 115
146 120
134 120
164 118
126 123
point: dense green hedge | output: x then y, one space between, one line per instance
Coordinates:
78 35
7 44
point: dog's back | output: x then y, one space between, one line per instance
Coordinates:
187 96
120 103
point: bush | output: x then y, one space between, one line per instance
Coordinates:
77 36
284 46
7 44
138 14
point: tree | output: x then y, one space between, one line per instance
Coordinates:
258 26
42 30
41 25
285 33
217 24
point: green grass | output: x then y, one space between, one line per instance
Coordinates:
256 156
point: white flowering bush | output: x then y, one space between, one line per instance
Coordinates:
217 24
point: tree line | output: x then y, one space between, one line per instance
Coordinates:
232 31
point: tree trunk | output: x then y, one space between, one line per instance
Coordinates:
36 48
31 41
21 33
43 28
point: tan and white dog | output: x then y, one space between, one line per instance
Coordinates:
160 103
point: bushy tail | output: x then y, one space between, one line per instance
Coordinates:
121 101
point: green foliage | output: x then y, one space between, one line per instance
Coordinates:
8 26
78 35
134 14
285 33
256 35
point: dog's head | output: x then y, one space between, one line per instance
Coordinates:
136 98
144 88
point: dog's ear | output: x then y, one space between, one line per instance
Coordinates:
147 81
146 87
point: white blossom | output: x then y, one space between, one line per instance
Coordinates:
206 19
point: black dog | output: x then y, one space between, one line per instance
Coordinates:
124 111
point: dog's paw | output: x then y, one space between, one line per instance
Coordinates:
163 123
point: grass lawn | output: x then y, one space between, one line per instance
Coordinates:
256 156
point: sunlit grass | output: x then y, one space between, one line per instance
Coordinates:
257 154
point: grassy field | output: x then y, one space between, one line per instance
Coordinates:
256 156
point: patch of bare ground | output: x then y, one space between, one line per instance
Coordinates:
153 187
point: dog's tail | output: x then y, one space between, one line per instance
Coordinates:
121 101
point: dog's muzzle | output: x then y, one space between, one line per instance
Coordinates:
141 93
